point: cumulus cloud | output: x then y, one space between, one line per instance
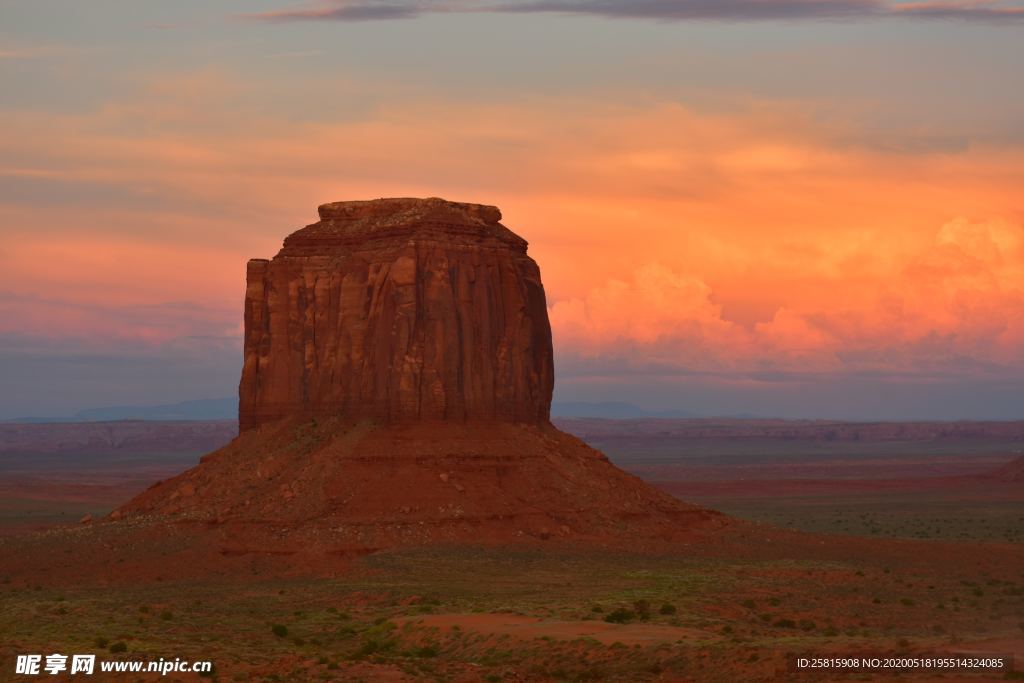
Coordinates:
669 316
660 10
955 308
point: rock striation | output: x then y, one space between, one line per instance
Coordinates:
396 390
397 310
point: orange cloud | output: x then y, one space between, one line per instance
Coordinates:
955 306
753 237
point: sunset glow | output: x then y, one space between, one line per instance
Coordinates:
710 238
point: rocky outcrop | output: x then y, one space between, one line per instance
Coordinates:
396 390
397 310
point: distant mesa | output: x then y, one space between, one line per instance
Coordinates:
1011 471
197 409
396 390
612 410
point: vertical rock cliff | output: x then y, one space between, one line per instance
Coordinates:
396 390
397 310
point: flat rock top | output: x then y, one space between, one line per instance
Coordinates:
362 221
409 209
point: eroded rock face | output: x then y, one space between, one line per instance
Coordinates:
428 318
397 310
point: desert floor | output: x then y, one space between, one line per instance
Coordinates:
840 549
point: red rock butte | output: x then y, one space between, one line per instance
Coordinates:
397 309
396 390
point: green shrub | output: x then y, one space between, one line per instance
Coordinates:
373 646
427 651
784 623
620 615
279 630
119 646
642 609
667 609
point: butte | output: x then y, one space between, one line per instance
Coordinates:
396 390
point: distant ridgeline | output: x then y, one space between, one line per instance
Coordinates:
802 430
201 409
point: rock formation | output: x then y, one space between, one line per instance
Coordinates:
397 309
1011 471
396 390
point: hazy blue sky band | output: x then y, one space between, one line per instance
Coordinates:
661 10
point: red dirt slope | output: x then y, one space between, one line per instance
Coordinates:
364 486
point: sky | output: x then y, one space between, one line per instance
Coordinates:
790 208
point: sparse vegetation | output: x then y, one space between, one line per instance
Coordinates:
642 608
427 651
620 615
